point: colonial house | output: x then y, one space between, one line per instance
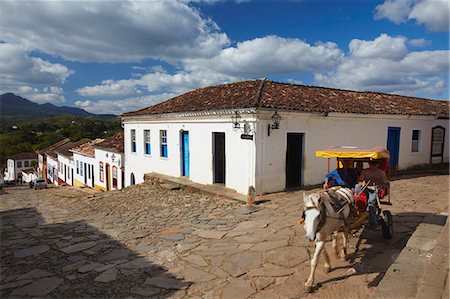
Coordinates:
84 159
265 134
18 163
66 163
109 166
42 158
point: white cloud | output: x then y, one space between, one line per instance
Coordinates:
157 82
396 11
124 105
50 94
411 73
434 14
104 31
111 88
18 68
269 55
419 42
383 46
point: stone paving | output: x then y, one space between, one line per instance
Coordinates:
147 241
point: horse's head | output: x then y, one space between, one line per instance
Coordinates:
311 215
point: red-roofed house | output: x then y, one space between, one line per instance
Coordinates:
84 159
109 166
264 134
65 161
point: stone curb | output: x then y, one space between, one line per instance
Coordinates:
403 278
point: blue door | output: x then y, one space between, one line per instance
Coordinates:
393 145
185 152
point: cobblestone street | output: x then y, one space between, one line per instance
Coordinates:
148 241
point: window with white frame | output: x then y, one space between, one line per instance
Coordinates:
133 141
163 141
89 171
78 167
147 149
81 168
415 139
19 164
26 164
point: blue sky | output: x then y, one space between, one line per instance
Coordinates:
119 56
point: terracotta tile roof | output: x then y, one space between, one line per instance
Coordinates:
53 146
113 144
87 148
294 97
65 148
24 156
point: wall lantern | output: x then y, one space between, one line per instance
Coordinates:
275 123
235 119
113 157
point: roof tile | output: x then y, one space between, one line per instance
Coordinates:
285 96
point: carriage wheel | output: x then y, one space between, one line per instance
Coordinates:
387 225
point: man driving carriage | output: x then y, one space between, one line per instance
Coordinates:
375 179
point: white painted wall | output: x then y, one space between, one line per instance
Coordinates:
52 170
106 157
85 177
320 132
28 177
65 173
240 154
262 162
13 170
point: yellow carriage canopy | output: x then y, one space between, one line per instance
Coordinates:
354 152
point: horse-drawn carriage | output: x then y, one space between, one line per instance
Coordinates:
337 210
353 157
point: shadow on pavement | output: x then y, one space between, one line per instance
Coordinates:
73 259
373 254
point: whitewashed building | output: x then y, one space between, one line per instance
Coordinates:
52 167
42 158
265 134
109 165
84 160
66 163
18 163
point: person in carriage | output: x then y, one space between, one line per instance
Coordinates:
345 177
376 180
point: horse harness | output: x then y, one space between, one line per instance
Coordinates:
337 199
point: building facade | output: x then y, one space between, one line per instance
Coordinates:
42 158
18 163
84 161
109 163
265 134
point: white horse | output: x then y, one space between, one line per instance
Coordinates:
321 220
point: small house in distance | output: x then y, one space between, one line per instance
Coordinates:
84 159
264 134
18 163
42 158
109 167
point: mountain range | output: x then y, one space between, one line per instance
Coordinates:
15 108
